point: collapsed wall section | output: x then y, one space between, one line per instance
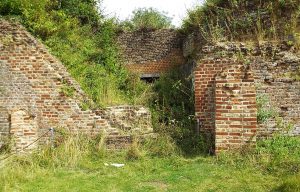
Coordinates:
37 93
32 83
151 52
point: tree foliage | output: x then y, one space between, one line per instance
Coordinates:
147 18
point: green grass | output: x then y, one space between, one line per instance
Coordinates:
149 174
81 164
146 174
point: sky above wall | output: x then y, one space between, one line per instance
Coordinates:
174 8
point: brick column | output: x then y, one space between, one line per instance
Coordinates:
225 103
235 101
205 74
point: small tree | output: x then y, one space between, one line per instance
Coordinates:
148 18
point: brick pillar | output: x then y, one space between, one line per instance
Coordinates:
235 102
225 104
205 74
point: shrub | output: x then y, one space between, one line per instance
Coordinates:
134 152
264 111
173 112
6 144
174 98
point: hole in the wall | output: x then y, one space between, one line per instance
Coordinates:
268 81
150 78
284 108
9 123
229 90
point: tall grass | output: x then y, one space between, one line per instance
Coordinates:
278 156
218 20
291 184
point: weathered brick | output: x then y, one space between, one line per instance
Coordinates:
31 81
151 52
225 102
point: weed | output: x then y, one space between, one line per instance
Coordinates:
282 125
238 20
162 146
67 90
291 184
6 144
294 75
264 111
134 152
99 145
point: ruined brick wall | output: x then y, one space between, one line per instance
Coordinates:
32 97
272 65
128 118
275 83
151 52
31 82
225 103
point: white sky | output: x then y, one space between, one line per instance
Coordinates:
175 8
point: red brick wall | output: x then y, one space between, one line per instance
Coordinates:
205 74
152 51
220 114
172 60
31 89
274 66
31 93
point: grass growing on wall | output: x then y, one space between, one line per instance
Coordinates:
219 20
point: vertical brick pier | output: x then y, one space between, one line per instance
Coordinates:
225 101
